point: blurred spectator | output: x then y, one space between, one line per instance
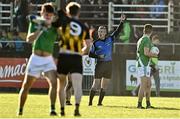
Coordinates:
134 2
50 0
125 32
0 40
91 1
137 34
0 45
116 1
21 10
100 4
5 1
176 14
138 2
38 1
18 44
157 8
5 38
78 1
126 2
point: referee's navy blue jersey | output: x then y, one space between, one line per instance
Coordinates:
102 49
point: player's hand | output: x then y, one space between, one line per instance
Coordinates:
123 17
101 56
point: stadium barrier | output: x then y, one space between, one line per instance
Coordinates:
90 13
168 21
6 15
138 15
94 14
176 17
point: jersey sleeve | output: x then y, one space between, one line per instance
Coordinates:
147 42
31 27
92 51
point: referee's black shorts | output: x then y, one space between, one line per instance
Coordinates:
103 69
69 63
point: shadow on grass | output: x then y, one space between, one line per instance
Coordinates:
132 107
166 108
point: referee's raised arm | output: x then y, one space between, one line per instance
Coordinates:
116 32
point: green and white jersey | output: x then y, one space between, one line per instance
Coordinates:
154 61
46 40
143 42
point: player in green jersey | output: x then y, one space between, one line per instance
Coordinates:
144 56
42 36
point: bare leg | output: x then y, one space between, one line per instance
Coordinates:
52 81
77 85
27 83
141 91
148 93
68 89
61 92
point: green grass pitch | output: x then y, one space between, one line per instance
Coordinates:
37 106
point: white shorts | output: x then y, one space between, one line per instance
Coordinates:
144 71
37 65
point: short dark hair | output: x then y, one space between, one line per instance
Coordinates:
102 27
73 8
148 28
47 7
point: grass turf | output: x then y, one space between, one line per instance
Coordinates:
37 106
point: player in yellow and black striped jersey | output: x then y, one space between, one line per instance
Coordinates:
73 35
72 32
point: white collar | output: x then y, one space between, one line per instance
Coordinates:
145 35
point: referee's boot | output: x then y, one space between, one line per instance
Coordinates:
91 96
62 113
68 103
140 105
53 113
148 105
76 111
101 97
20 112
